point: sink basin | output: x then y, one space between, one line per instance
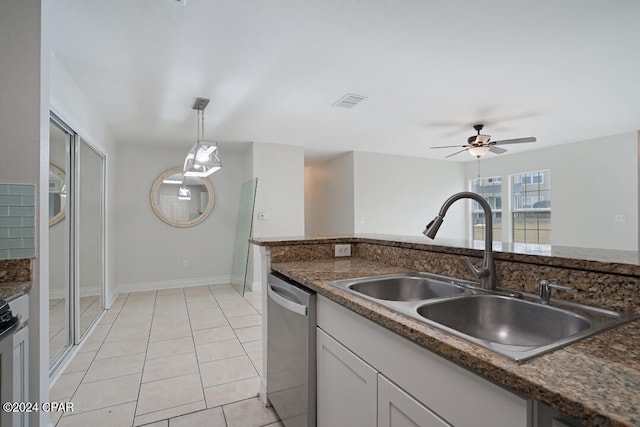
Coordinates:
405 288
519 328
402 287
507 321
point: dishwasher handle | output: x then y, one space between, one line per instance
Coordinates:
277 294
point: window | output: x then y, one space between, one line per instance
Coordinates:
531 207
527 217
491 189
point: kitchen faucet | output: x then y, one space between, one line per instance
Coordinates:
487 273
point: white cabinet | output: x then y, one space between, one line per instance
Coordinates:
347 386
397 409
14 367
14 376
415 386
352 393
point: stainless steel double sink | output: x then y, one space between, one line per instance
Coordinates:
514 325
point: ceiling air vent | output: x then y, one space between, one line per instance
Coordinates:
349 100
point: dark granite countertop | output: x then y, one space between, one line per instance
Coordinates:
11 290
596 381
599 260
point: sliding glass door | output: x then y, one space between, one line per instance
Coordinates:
60 142
76 239
90 237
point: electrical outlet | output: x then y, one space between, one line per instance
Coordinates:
621 218
343 250
185 263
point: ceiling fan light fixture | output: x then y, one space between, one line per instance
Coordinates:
479 151
479 145
482 139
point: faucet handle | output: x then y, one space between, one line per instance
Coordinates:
545 290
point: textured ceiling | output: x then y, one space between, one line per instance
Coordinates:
562 71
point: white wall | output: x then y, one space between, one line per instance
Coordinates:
74 108
382 194
280 194
24 156
150 253
591 182
280 172
400 195
329 197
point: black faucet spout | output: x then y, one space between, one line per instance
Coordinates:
487 273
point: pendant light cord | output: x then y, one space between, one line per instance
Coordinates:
202 130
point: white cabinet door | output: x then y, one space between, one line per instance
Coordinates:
14 376
397 409
6 379
454 393
21 374
347 386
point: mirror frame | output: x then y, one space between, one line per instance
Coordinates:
156 207
60 215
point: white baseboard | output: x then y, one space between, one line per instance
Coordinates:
173 284
84 292
256 286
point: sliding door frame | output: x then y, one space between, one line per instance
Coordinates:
73 331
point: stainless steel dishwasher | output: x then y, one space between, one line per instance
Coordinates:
291 351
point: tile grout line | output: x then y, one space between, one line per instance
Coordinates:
236 335
92 360
190 313
195 351
153 314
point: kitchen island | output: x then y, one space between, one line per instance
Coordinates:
595 381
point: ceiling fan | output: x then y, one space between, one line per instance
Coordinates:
479 145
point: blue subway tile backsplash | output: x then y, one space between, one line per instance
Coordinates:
17 221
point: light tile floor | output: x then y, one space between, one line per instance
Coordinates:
89 309
179 357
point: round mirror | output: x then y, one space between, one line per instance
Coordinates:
57 195
192 206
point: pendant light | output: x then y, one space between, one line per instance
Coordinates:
184 192
202 160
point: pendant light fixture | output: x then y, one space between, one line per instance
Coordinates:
202 159
184 192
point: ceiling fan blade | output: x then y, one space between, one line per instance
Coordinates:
453 146
457 152
497 150
515 141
